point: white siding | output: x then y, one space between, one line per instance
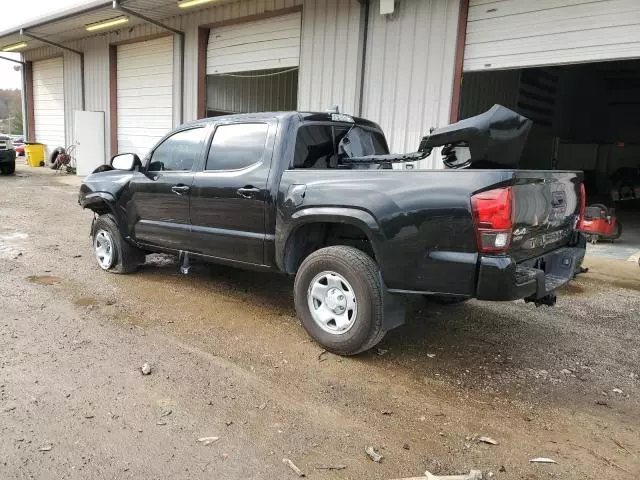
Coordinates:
96 50
524 33
144 94
48 96
330 58
260 45
190 22
409 70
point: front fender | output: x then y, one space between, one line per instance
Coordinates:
97 200
362 219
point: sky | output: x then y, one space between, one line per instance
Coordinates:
16 14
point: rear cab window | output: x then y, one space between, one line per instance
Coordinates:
321 146
237 146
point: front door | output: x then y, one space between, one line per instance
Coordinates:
229 195
161 192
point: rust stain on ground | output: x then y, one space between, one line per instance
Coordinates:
44 279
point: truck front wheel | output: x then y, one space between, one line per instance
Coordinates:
8 168
112 252
338 298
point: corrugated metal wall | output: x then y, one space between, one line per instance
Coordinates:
525 33
189 23
482 90
409 70
330 60
261 94
96 50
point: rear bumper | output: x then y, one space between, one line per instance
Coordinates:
501 278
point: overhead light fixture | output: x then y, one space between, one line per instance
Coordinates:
193 3
14 46
112 22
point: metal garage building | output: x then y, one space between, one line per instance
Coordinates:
156 65
148 65
573 67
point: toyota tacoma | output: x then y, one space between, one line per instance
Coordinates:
315 196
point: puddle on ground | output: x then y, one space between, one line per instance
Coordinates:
10 244
44 279
86 302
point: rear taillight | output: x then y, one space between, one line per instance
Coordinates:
493 219
583 205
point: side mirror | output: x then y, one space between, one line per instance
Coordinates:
125 161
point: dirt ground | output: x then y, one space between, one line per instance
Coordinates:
230 360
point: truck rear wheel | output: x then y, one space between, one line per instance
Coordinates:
112 253
338 299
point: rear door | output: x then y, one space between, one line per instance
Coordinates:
229 195
161 193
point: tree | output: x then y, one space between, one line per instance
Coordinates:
16 123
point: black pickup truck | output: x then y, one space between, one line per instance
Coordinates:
315 195
7 155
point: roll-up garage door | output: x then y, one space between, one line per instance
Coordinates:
525 33
48 103
259 45
145 94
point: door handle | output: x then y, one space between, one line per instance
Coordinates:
248 192
180 189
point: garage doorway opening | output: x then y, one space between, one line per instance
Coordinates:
586 117
252 91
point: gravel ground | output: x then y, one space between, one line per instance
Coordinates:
230 360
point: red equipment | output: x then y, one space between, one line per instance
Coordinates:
600 222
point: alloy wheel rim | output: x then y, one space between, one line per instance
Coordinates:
332 302
103 245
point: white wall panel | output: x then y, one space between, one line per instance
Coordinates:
260 45
48 97
144 94
409 70
330 57
96 50
524 33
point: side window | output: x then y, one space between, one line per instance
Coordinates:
237 146
178 152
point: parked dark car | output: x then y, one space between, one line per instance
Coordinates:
7 155
312 195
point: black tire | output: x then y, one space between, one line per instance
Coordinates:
363 275
54 155
446 299
126 258
617 232
8 168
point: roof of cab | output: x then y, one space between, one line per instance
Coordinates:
303 116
